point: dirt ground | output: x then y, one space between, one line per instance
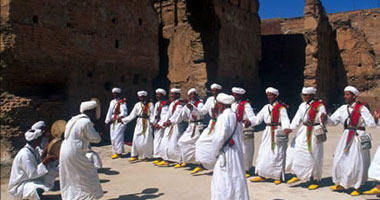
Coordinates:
141 180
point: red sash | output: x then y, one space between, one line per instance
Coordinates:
162 104
213 119
314 108
240 110
145 113
117 111
275 116
175 106
354 122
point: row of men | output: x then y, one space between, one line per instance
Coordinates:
303 158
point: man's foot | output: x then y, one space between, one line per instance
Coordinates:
163 163
132 159
293 180
177 165
277 182
183 164
337 188
373 191
313 186
114 156
196 170
355 193
257 179
156 162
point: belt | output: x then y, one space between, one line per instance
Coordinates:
194 122
309 124
273 124
143 117
360 128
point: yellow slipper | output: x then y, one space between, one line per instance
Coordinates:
177 165
293 180
114 156
355 193
183 164
257 179
313 186
277 182
156 162
373 191
163 163
337 188
132 159
247 175
196 170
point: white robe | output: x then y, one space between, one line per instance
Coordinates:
228 180
299 160
116 129
169 143
142 145
374 169
187 142
94 157
158 134
204 143
27 171
78 176
350 169
271 164
248 143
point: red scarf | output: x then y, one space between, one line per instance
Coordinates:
117 111
275 116
145 112
240 110
175 106
314 108
162 104
354 122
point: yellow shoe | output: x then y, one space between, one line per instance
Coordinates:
247 175
373 191
277 182
183 164
313 186
293 180
114 156
337 188
257 179
163 163
132 159
156 162
196 170
177 165
355 193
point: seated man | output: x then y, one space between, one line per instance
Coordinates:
27 169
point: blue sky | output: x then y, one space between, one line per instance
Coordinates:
294 8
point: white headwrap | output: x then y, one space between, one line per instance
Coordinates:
38 125
352 89
216 86
116 90
192 90
32 134
142 93
225 98
309 90
87 105
175 90
238 90
272 90
162 91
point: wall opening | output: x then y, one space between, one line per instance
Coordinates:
162 81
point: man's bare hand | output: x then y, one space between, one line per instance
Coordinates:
287 131
247 123
189 106
324 118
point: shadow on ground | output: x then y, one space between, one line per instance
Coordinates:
149 193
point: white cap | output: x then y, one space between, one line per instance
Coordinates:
225 98
162 91
238 90
142 93
192 90
38 125
87 105
32 134
175 90
352 89
216 86
309 90
272 90
116 90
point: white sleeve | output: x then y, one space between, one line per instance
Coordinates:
259 117
90 132
249 113
132 115
367 117
285 122
31 168
109 114
337 116
296 119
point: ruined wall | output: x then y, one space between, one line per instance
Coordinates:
56 54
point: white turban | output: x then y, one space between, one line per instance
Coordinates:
116 90
352 89
162 91
192 90
175 90
38 125
87 105
273 91
238 90
142 93
309 90
32 134
216 86
225 98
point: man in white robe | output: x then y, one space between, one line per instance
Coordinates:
27 173
142 146
270 162
169 143
188 139
78 176
157 121
228 180
204 143
305 154
246 117
351 160
116 111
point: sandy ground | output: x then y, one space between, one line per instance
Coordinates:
142 180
